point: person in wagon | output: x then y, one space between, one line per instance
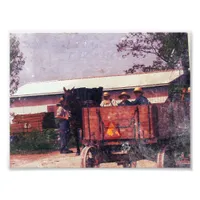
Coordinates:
64 127
107 101
140 99
124 96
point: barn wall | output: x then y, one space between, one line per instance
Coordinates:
35 101
155 95
30 105
26 105
29 109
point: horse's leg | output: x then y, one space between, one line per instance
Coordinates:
77 138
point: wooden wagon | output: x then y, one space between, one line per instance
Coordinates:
126 134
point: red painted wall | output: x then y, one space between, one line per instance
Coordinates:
34 101
53 99
148 92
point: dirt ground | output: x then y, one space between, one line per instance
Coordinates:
57 160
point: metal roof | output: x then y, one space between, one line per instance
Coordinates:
150 79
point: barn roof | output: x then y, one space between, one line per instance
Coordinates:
150 79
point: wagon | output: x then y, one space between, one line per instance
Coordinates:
126 134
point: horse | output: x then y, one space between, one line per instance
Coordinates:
74 101
74 105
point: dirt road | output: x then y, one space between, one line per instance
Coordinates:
57 160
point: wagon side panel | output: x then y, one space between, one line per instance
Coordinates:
91 124
119 122
146 122
122 122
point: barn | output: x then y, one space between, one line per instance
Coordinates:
37 97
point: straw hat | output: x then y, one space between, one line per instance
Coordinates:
106 94
138 89
124 94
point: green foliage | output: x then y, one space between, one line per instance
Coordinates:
37 142
34 141
16 63
169 48
175 88
175 92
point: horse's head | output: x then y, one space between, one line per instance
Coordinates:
68 93
68 96
71 103
70 99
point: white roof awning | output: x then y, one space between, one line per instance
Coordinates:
150 79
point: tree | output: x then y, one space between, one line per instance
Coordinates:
16 63
170 49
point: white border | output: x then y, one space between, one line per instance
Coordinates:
98 16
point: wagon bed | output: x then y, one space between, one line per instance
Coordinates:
156 126
158 121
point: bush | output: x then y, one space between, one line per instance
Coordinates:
34 141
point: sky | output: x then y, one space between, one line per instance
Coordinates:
58 56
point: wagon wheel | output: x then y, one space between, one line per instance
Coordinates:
131 164
89 157
165 158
